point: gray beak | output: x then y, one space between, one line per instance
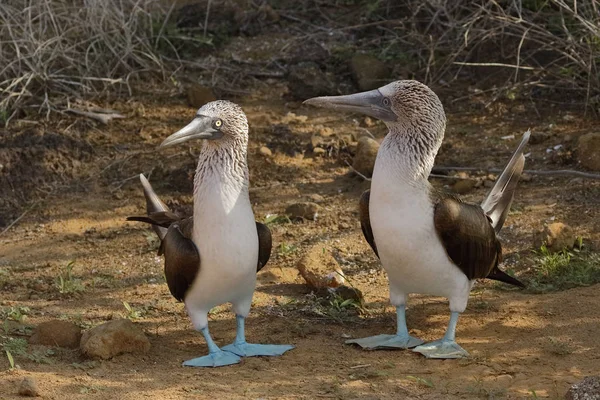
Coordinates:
201 127
369 103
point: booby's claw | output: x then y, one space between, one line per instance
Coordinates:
386 342
215 359
442 348
256 350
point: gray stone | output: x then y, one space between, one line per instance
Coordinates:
369 72
587 389
304 210
589 151
112 338
28 387
57 333
366 153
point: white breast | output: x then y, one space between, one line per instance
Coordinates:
226 237
402 221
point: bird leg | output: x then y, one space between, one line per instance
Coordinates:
445 347
401 340
215 358
244 349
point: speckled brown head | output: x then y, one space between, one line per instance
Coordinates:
407 103
221 122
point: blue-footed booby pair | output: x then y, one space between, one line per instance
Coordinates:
213 257
427 241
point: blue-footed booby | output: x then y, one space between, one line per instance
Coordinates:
213 257
428 242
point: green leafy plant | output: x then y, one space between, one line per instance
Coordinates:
275 219
420 381
285 249
11 360
131 312
66 283
16 346
564 269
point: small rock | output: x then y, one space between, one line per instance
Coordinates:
306 80
587 389
368 71
369 123
291 118
317 198
304 210
567 138
319 151
326 131
464 186
488 183
198 95
366 153
589 151
112 338
319 269
29 387
526 178
556 237
538 137
265 151
57 333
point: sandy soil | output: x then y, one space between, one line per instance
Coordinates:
523 345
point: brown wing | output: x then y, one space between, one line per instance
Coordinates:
182 259
265 243
468 237
470 240
365 221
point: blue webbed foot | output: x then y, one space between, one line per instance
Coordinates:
215 359
254 350
386 341
443 348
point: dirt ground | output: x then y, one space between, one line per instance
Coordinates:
79 182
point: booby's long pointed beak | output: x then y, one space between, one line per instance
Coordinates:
201 127
371 103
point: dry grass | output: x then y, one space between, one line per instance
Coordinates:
547 44
56 49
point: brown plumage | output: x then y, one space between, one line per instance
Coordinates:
182 259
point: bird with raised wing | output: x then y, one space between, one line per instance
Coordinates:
428 242
212 257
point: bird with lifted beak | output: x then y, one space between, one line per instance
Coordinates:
213 257
428 242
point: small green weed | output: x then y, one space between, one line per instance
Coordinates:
41 356
16 346
131 312
17 314
66 283
420 381
91 389
275 219
285 249
559 347
564 270
11 360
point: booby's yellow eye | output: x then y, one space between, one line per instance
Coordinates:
218 123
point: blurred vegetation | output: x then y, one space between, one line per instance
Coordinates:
51 51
